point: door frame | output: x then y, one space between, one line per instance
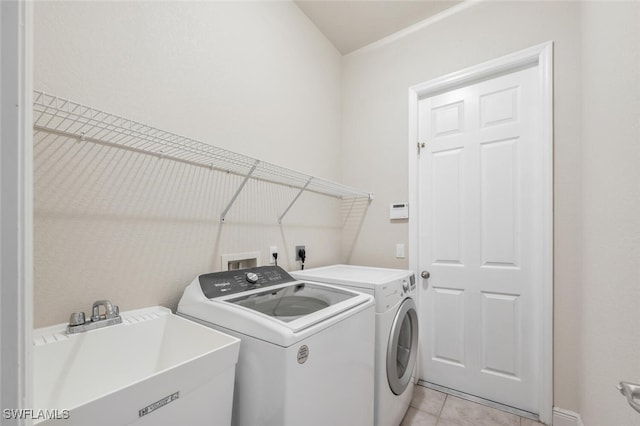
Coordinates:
16 208
540 56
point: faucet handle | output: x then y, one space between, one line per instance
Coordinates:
110 310
77 318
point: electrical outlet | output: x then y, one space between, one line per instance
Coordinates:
298 248
272 250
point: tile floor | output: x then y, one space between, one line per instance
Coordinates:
433 408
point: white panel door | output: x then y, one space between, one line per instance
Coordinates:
478 239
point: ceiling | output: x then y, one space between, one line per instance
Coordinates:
352 24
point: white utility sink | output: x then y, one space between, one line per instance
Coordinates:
153 369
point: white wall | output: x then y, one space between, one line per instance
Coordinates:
375 135
610 210
253 77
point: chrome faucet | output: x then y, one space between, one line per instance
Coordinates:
111 316
110 310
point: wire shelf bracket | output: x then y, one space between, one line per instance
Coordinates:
63 117
238 191
294 200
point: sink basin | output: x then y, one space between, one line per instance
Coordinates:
155 368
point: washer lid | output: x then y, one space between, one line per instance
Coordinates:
292 302
282 314
350 275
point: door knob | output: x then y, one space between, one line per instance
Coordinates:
425 274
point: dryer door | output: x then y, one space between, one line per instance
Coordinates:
403 347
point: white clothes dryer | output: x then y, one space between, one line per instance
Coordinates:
306 352
395 293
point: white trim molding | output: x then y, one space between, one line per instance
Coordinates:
16 209
540 56
391 38
563 417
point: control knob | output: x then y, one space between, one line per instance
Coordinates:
251 277
405 285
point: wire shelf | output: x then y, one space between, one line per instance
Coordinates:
64 117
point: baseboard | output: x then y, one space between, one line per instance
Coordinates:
563 417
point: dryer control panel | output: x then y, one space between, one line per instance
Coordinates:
224 283
394 292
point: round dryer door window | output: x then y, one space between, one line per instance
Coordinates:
403 347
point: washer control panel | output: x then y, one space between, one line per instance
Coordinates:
219 284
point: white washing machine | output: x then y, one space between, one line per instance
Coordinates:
306 351
395 293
